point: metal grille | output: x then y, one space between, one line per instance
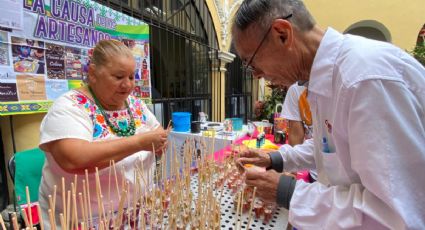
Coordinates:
182 37
239 87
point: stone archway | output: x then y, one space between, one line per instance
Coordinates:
370 29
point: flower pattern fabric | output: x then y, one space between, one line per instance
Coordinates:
119 118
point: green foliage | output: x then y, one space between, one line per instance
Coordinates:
264 110
419 53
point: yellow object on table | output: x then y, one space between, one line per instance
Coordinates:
208 133
253 144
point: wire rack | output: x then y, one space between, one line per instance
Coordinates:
279 218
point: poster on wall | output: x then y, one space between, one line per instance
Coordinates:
51 53
11 14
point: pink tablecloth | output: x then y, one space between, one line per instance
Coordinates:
221 154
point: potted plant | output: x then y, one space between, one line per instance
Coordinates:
419 53
264 110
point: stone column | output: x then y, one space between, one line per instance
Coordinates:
218 83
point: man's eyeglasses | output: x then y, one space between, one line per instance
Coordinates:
248 66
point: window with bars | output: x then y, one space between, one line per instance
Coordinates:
239 87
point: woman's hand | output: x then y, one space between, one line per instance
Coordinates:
158 139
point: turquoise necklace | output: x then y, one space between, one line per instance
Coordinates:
129 131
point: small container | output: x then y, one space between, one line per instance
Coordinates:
181 121
258 208
279 137
237 123
195 127
228 125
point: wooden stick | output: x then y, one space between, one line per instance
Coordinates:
52 220
24 215
63 200
83 211
241 209
88 199
27 191
118 221
135 196
86 211
99 196
14 222
169 124
40 217
116 180
68 209
111 212
237 210
61 217
152 211
109 180
50 202
75 183
74 208
101 226
54 198
142 210
72 205
2 223
251 207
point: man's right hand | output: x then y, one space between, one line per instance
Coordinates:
256 157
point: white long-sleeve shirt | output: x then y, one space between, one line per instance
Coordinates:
368 100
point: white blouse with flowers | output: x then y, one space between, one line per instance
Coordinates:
74 115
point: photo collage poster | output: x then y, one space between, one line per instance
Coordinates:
51 54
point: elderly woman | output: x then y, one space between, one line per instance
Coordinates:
94 125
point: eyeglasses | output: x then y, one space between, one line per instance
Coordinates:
248 66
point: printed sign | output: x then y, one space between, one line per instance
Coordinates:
50 55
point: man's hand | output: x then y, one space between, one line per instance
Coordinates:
254 156
266 182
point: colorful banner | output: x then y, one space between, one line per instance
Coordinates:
50 55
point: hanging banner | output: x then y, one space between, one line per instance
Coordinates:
50 55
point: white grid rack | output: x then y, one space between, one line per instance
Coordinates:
279 219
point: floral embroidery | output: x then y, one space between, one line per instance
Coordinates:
81 99
97 130
100 118
119 118
138 123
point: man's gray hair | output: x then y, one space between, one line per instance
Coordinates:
263 12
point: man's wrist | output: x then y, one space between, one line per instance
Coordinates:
276 161
285 189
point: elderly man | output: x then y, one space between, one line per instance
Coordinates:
368 104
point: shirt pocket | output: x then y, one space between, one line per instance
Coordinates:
334 170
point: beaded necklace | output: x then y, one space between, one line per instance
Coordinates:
129 131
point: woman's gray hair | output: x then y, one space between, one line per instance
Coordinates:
263 12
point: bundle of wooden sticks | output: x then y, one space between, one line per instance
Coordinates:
169 202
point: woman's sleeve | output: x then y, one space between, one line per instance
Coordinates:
66 119
151 120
